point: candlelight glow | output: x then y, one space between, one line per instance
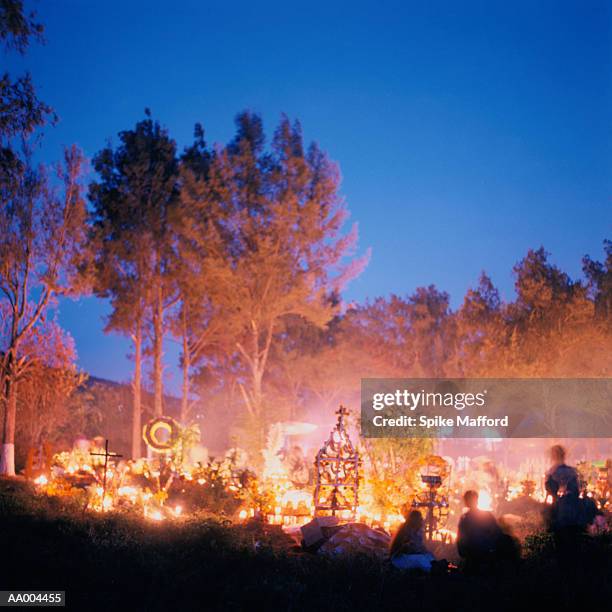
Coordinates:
485 501
155 515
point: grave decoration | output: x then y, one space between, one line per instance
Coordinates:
337 473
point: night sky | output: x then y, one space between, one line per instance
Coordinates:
465 133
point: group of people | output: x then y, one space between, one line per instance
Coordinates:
484 543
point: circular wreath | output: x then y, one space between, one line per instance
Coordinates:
154 427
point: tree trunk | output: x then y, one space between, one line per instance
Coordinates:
7 459
158 342
258 407
257 394
186 366
258 368
137 395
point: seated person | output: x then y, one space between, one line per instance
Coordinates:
478 535
408 549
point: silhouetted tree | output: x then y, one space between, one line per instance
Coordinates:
133 203
21 112
42 235
599 277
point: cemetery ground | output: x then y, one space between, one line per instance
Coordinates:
122 562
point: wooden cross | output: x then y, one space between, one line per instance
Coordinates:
341 412
106 455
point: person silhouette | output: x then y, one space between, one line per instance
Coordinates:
568 516
408 550
478 536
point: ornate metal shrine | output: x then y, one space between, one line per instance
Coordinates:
337 473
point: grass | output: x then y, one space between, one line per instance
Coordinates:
118 562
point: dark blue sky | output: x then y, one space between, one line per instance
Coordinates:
466 133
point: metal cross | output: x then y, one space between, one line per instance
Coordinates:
106 455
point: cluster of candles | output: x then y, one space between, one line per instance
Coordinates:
291 507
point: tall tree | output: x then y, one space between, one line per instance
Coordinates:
42 234
481 330
21 112
547 305
279 249
599 277
432 331
133 209
192 322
